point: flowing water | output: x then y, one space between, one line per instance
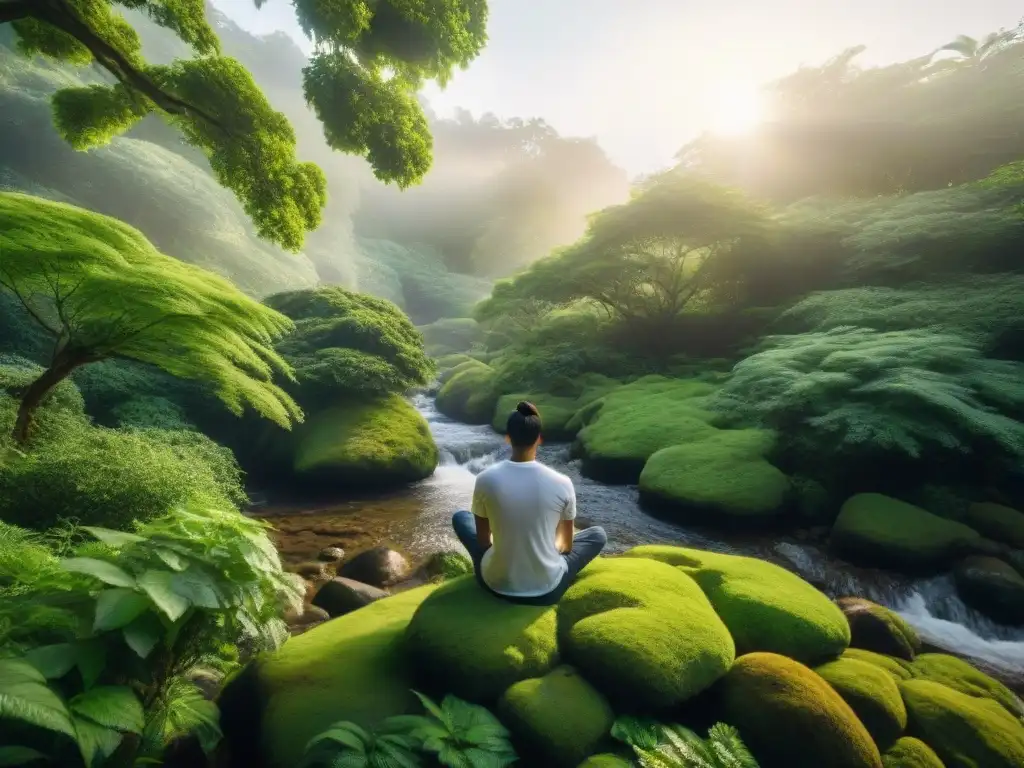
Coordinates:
417 520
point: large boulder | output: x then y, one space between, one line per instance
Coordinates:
765 607
872 693
465 641
378 567
962 676
789 716
340 596
468 393
992 587
909 752
556 720
897 668
999 523
965 731
877 530
876 628
643 633
363 444
723 480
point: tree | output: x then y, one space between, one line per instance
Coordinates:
370 59
102 291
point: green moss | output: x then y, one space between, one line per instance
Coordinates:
964 731
909 752
877 628
722 479
365 444
467 642
468 393
900 670
559 719
351 668
765 607
789 716
961 676
448 362
638 420
997 522
876 530
451 335
643 633
872 694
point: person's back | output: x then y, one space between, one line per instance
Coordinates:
520 533
524 502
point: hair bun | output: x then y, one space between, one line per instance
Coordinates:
527 409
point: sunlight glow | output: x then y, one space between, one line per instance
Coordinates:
738 110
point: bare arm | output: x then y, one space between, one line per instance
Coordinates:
483 532
563 536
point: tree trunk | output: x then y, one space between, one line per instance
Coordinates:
37 391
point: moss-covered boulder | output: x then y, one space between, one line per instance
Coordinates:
909 752
722 480
465 641
468 393
872 693
643 632
364 444
636 421
897 668
874 627
877 530
965 731
997 522
556 720
789 716
962 676
765 607
992 587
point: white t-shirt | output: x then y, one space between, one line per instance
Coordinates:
524 502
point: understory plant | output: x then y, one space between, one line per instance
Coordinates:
99 637
673 746
455 734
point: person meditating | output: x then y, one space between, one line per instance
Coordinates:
520 531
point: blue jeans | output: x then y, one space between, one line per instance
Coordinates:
586 545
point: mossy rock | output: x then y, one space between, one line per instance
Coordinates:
899 669
607 760
997 522
909 752
965 731
722 480
643 633
364 444
467 642
872 693
765 607
992 587
789 716
962 676
448 362
468 394
877 628
351 668
880 531
636 421
556 720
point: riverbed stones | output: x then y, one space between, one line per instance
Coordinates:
992 587
378 567
872 694
909 752
997 522
341 595
331 555
876 628
876 530
313 571
964 677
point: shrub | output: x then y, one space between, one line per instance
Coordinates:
150 413
16 373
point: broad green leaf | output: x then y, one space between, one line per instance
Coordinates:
92 658
53 660
106 572
24 696
95 742
10 756
111 538
158 585
197 587
143 634
171 559
347 734
111 706
116 608
431 707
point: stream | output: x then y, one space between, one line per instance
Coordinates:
417 520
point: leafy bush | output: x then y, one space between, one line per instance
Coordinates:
140 610
673 746
16 373
151 413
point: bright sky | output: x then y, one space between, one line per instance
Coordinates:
644 76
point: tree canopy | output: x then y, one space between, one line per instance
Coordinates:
361 82
101 290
